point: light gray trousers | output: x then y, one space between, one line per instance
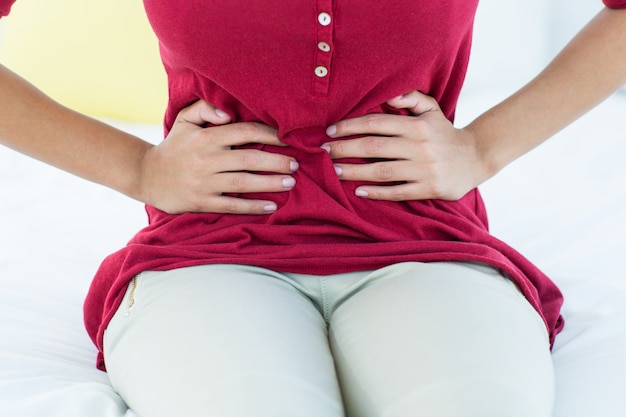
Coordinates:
433 340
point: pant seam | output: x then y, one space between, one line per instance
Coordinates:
325 303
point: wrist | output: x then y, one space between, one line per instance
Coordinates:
488 160
139 187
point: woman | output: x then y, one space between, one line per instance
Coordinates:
334 257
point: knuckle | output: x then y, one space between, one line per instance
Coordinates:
373 145
242 131
197 137
239 181
234 206
247 130
249 159
338 148
417 143
194 187
195 204
428 154
398 195
371 120
419 125
437 189
383 171
201 143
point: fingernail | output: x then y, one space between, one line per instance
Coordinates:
270 207
326 148
293 166
289 182
221 114
331 130
361 193
338 170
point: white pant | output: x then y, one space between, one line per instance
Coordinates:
434 340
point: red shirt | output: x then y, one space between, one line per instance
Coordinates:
615 4
261 61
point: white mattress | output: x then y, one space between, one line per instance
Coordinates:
563 206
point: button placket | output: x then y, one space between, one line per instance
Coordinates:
324 50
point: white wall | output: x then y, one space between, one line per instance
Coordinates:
515 39
509 44
566 17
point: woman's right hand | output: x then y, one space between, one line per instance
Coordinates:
192 169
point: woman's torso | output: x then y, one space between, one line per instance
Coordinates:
300 66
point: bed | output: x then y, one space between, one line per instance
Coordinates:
562 205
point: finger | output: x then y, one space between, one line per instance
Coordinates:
245 182
370 124
416 102
202 112
234 205
254 160
243 133
369 147
386 171
400 192
406 192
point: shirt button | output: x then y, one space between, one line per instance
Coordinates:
323 46
324 19
321 71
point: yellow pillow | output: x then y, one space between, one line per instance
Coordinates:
97 57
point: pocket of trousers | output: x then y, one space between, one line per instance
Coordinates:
130 301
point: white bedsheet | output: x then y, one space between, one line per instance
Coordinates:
563 206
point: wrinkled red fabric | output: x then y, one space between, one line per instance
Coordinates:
5 7
615 4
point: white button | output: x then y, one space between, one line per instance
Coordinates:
323 46
321 71
324 19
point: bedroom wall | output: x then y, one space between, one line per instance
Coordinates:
100 58
515 39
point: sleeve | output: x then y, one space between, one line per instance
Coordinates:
615 4
5 7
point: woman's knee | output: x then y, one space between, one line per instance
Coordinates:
442 341
471 398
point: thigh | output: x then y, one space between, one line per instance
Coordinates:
441 340
226 341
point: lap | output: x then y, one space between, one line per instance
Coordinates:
220 341
444 339
439 339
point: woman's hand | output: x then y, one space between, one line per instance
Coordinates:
192 169
424 153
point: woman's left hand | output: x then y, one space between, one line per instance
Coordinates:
424 153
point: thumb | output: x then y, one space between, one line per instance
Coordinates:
202 112
415 101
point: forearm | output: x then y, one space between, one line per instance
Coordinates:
35 125
590 68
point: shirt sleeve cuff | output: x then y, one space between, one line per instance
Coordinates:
5 7
615 4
